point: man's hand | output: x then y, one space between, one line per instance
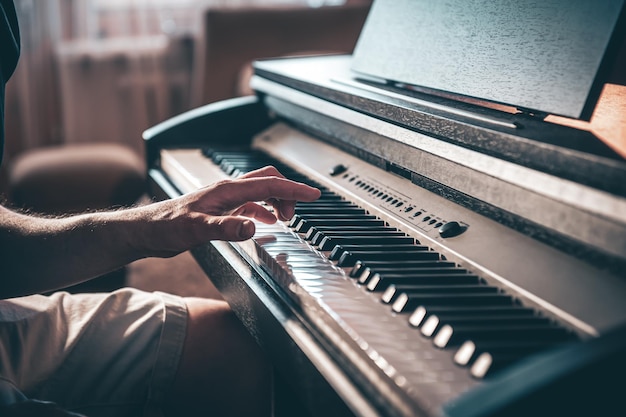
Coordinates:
72 249
222 211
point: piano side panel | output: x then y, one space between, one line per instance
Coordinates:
235 120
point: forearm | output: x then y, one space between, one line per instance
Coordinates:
39 254
42 254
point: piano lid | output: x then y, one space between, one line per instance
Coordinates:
549 57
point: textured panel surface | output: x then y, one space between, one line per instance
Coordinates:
535 55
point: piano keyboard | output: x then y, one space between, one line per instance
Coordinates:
482 327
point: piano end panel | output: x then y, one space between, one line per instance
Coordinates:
572 380
234 121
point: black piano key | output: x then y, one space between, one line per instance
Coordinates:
326 205
455 336
312 234
470 350
304 225
363 274
228 164
334 204
326 217
407 295
330 242
434 322
320 234
488 363
379 281
408 301
338 251
312 210
372 267
328 197
234 167
349 259
422 312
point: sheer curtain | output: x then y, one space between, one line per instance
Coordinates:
104 70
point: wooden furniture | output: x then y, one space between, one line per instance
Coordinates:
234 37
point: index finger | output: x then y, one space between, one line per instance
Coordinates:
266 171
243 190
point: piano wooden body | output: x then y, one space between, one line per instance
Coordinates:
462 261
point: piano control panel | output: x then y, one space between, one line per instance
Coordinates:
403 206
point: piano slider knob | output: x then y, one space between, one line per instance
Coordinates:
451 229
338 169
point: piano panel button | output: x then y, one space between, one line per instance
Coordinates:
338 169
456 335
380 280
406 301
348 259
434 321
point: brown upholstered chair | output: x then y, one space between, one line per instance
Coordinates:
234 37
77 178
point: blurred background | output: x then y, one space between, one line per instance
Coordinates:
105 70
94 74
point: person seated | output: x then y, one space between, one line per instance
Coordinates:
128 352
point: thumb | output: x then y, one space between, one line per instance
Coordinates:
232 228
